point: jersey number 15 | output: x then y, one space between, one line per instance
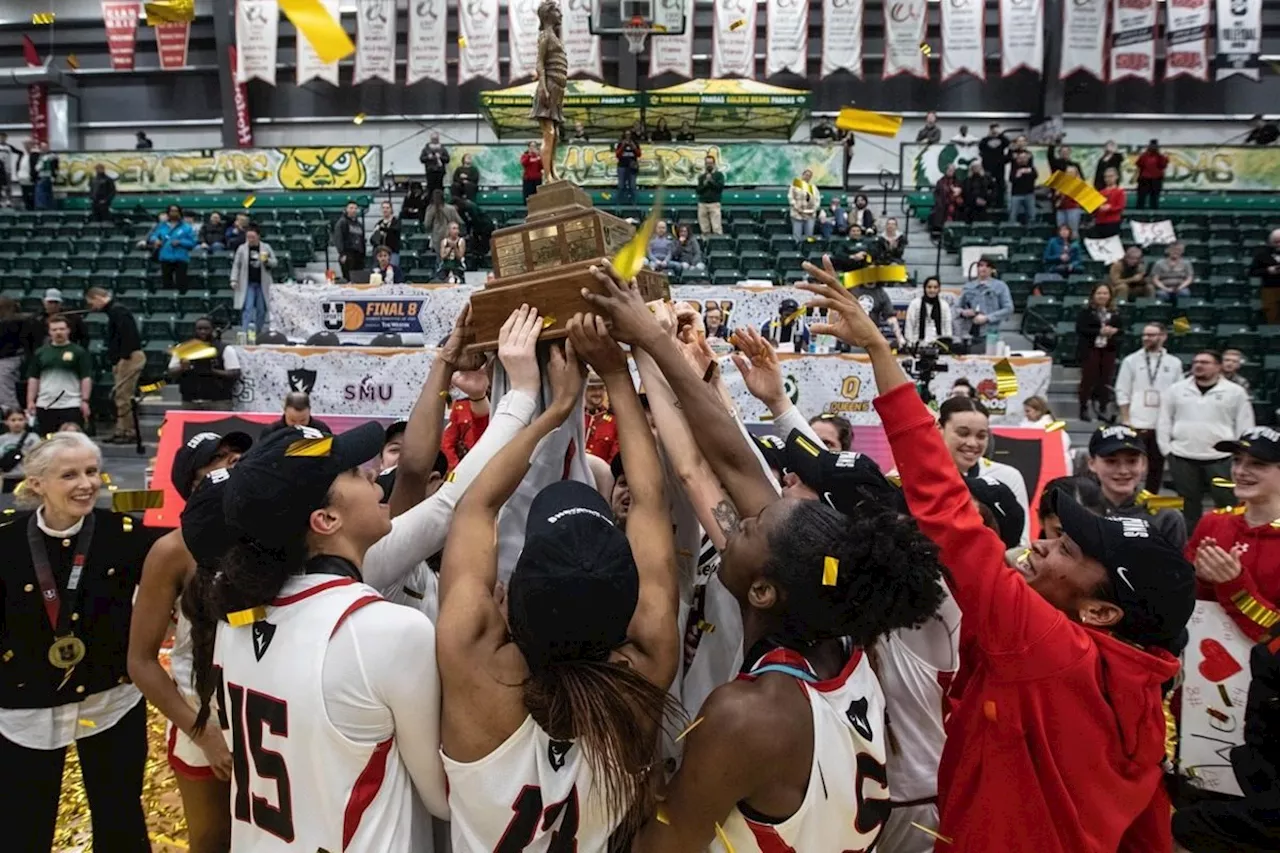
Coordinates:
247 713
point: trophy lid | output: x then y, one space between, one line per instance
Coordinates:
556 198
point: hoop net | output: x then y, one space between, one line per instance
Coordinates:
636 31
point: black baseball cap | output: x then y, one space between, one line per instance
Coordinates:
845 481
773 449
1011 518
205 530
788 306
1154 584
287 475
575 587
616 468
396 430
199 451
1109 440
1262 443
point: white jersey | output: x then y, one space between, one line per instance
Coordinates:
847 800
298 783
180 660
530 795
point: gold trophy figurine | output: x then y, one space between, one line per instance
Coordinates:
552 73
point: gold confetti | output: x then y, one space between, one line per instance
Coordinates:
662 815
793 316
246 617
1223 483
830 571
629 260
868 121
1154 503
1181 325
194 350
136 500
548 322
706 627
89 724
926 49
42 19
311 447
1074 188
462 41
326 35
737 25
1222 691
1056 426
73 62
689 728
152 388
886 274
724 839
927 831
105 477
249 201
1006 379
126 524
358 118
8 655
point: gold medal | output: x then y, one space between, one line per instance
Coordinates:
66 652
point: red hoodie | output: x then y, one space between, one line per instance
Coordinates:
1057 742
1249 597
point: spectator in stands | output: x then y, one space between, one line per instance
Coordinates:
964 142
713 321
143 143
928 315
1145 377
710 191
1262 132
1118 458
213 233
804 199
579 133
385 266
12 334
661 133
387 231
789 327
466 181
415 203
1062 253
930 133
1109 159
686 259
251 281
686 132
37 331
124 354
207 383
834 430
453 256
1106 219
1151 164
1195 415
628 154
891 244
438 217
860 251
59 381
172 240
435 160
1232 361
1172 275
476 224
1098 326
468 418
46 170
833 219
862 214
948 197
18 439
1128 276
102 191
1066 210
27 176
297 412
235 234
1022 188
1266 266
963 388
660 249
993 151
1060 157
639 132
985 302
348 239
531 166
10 164
979 192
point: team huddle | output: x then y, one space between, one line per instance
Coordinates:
730 644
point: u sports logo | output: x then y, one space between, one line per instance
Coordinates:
332 315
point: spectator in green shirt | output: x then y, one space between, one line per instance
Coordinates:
59 380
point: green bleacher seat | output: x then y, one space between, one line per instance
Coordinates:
1237 336
95 320
193 302
158 328
1200 312
722 260
163 302
1064 349
725 277
157 355
1240 313
760 274
133 299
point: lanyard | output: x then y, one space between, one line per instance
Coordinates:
1151 374
59 617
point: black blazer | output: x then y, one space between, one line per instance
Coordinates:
1088 327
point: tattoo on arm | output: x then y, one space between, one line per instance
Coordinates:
726 516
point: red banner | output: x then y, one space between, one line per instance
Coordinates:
38 111
244 126
120 17
171 44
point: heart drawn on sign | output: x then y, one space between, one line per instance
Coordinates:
1218 664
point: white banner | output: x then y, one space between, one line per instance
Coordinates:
375 41
310 66
673 53
1215 687
581 48
904 30
1107 250
522 38
1084 38
787 38
257 28
1186 30
842 36
1153 233
963 38
1022 36
1239 38
733 39
426 42
1133 40
477 40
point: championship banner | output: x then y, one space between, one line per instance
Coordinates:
842 37
257 28
331 168
120 17
427 42
963 38
522 38
477 40
1133 40
733 39
1215 671
244 124
1186 52
310 65
1022 36
172 38
904 31
375 41
674 53
1239 39
1084 38
581 46
357 313
787 37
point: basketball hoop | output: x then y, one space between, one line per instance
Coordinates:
636 31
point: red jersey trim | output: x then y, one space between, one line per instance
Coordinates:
767 838
787 657
307 593
355 605
182 768
366 788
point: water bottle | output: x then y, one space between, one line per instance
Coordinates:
253 336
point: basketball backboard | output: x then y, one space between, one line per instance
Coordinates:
659 17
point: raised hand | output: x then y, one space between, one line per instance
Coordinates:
845 317
633 322
592 344
473 383
517 348
565 375
454 350
757 361
1217 565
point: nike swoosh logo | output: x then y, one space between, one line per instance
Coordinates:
1124 576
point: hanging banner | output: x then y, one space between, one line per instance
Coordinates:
1186 52
172 38
581 47
1022 36
120 17
257 27
426 42
673 53
787 37
37 95
522 38
310 65
1215 689
1133 40
244 126
320 167
1239 39
963 38
733 39
1084 38
904 29
375 41
477 40
842 36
